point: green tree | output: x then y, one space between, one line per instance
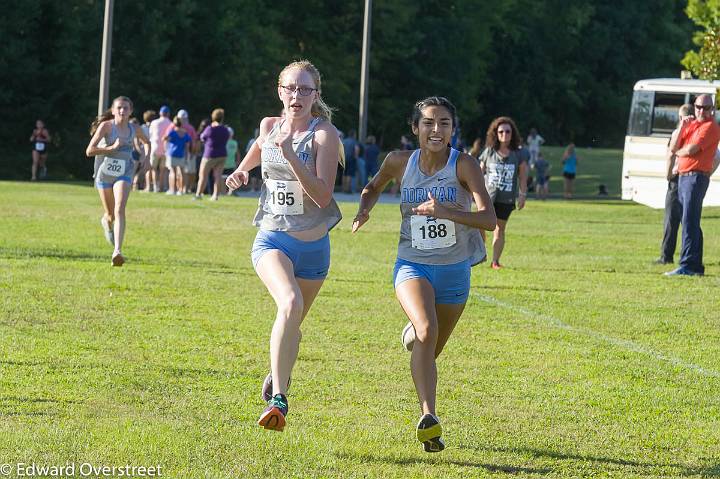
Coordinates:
704 63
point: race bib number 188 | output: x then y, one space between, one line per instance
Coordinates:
284 197
431 233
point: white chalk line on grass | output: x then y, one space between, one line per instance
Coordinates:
621 343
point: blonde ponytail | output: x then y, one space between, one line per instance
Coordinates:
319 108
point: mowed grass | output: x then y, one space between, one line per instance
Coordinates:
595 166
579 359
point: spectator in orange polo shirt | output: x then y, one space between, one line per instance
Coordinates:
695 149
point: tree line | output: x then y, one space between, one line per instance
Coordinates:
565 67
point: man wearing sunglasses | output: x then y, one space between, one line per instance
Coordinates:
695 149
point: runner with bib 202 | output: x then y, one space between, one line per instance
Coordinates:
439 243
113 140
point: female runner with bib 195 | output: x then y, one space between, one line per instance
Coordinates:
114 176
298 153
439 242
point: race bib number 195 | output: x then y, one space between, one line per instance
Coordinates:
284 197
431 233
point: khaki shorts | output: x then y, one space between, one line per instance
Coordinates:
157 161
213 162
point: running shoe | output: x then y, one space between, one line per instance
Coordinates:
267 387
408 336
495 265
429 431
117 259
273 417
107 230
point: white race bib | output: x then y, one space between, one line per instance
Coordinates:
40 146
430 233
113 167
284 197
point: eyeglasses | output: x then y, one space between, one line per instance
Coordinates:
504 132
704 107
302 90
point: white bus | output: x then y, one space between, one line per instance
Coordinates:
653 117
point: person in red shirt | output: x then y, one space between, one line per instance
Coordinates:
695 149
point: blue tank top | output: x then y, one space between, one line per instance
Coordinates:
428 240
283 204
118 164
125 151
570 165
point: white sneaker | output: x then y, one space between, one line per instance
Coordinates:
108 230
408 336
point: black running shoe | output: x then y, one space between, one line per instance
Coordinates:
429 431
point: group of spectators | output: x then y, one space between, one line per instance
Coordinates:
361 161
187 160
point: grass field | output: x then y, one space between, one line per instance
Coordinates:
579 359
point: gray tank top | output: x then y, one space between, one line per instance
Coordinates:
283 204
502 173
119 163
428 240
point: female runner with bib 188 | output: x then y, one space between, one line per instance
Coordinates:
113 178
299 154
439 242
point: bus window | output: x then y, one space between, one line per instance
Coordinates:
640 113
665 112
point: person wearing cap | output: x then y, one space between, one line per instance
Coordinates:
694 149
158 129
189 168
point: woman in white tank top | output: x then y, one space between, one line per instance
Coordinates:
439 242
291 253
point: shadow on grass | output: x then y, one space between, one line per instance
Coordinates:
439 460
648 468
30 414
17 253
24 399
23 363
36 253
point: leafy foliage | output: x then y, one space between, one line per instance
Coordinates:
566 68
705 63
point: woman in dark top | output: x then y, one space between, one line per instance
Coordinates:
505 176
40 140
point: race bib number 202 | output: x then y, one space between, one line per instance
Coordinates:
284 197
431 233
113 167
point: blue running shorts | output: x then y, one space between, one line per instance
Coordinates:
451 282
310 259
102 185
